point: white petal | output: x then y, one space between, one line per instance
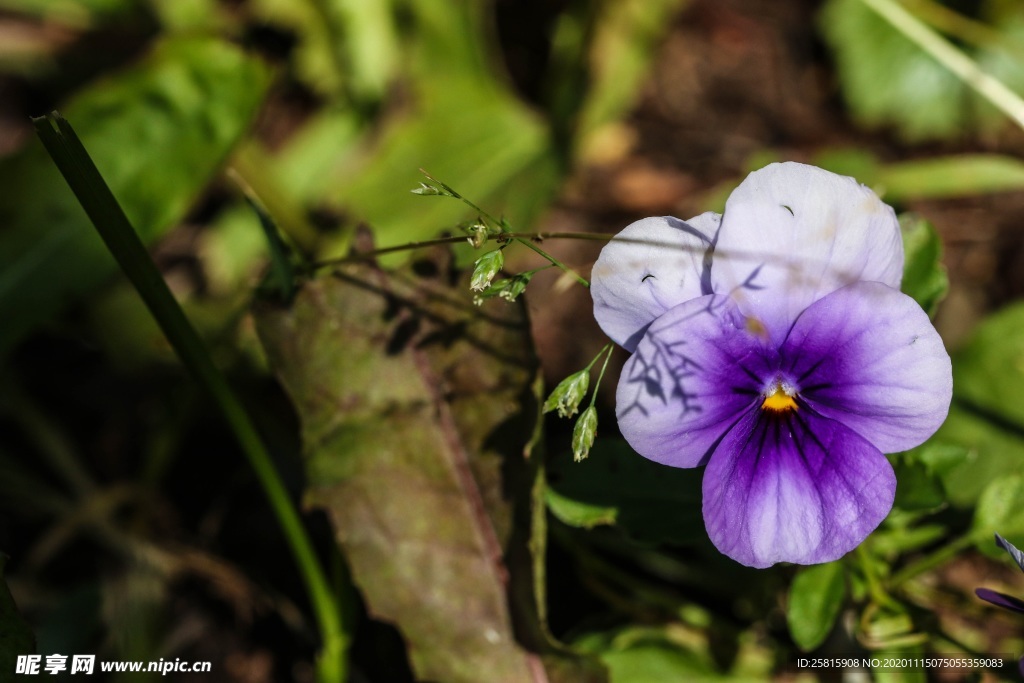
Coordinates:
653 265
792 234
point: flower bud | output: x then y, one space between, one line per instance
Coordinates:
583 434
486 267
477 234
515 286
567 395
432 190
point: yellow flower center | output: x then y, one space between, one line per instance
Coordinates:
779 401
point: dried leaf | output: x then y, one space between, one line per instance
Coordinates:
416 408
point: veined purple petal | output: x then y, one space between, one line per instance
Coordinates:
796 487
694 373
792 234
651 266
867 356
1005 601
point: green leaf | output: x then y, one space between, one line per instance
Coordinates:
992 452
889 81
963 175
987 416
1000 512
157 132
921 474
650 502
648 654
924 276
989 372
415 441
15 635
815 598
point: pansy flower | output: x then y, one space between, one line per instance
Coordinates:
772 345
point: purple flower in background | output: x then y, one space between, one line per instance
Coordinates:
1001 599
772 344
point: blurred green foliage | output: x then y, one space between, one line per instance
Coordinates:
889 81
416 409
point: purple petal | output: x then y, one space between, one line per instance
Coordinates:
867 356
792 234
794 488
1017 555
692 375
648 268
1005 601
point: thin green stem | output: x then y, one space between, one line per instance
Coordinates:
610 348
363 256
501 230
555 262
124 244
875 588
597 356
950 57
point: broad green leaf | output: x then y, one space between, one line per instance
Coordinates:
924 276
642 654
656 662
650 502
815 598
409 398
886 79
992 452
988 374
157 132
1000 511
921 473
889 81
987 416
962 175
15 635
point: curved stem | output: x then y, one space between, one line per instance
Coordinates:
92 192
555 262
